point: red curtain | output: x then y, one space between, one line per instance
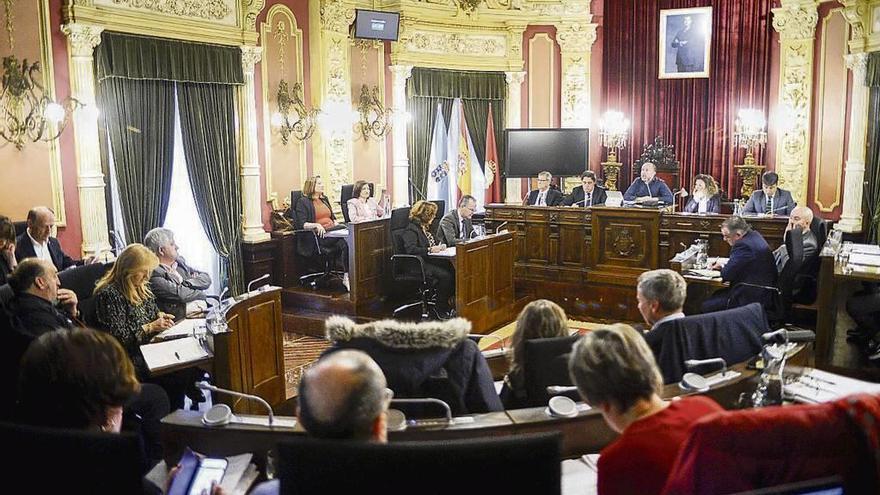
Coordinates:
695 115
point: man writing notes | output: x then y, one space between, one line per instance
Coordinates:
648 185
770 200
588 194
456 225
544 195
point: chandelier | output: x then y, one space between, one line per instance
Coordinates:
613 131
750 133
292 117
26 112
374 120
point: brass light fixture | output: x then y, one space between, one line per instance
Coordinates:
375 120
613 132
26 112
751 135
292 117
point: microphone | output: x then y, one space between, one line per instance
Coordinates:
500 226
252 282
793 336
429 400
682 192
581 201
693 363
118 245
525 200
560 389
207 386
774 210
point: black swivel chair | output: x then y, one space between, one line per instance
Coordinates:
441 210
524 463
806 284
20 227
345 195
82 280
308 247
49 460
546 364
408 271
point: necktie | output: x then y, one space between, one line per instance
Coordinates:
461 233
768 208
541 201
587 200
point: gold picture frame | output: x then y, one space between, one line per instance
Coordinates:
685 43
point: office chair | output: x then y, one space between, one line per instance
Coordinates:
345 195
546 364
441 210
409 270
309 247
20 227
50 460
806 284
521 464
780 297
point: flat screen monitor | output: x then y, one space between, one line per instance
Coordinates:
562 152
376 25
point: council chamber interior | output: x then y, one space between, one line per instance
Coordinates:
440 246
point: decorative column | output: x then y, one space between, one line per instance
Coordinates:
336 16
796 23
252 221
400 185
513 187
854 172
81 41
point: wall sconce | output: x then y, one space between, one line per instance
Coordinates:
292 117
374 120
613 132
751 135
337 119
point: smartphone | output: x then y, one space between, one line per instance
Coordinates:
210 471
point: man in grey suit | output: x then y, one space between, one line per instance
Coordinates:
178 288
770 199
456 225
801 217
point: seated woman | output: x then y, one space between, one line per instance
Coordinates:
419 241
7 248
125 307
363 208
615 372
541 319
313 212
705 196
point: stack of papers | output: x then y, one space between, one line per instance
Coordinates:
816 386
186 328
173 353
705 273
864 259
446 253
866 249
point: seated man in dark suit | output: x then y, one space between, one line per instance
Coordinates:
36 241
751 262
456 225
544 195
179 289
661 295
648 185
798 222
588 194
37 288
770 199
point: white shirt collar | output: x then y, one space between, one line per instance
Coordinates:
673 316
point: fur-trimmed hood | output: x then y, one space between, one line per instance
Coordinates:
400 334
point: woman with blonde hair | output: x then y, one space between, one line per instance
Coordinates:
705 197
541 319
418 240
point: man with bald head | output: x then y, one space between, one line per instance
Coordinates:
798 223
37 240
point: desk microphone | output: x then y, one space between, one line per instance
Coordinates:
681 192
208 386
500 226
252 282
693 363
793 336
560 389
525 200
774 210
429 400
581 201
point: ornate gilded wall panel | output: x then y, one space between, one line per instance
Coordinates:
370 161
542 82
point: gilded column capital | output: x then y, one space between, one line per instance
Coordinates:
796 21
515 78
83 38
250 56
400 73
576 37
858 63
336 16
857 14
251 9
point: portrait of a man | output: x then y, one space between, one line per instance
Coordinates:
685 37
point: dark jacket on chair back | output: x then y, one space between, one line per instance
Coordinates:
415 241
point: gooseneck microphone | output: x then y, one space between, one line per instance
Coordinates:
793 336
429 400
252 282
560 389
693 363
207 386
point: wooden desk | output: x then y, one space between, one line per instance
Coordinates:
588 259
369 254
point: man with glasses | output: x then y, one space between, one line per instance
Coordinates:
544 195
751 262
456 225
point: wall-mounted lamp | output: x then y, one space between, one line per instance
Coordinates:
374 120
292 117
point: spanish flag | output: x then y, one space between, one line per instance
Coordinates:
464 157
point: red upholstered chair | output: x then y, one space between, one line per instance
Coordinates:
736 451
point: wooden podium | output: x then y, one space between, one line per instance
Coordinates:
249 358
484 281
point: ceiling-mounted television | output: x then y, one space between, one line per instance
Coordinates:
376 25
562 152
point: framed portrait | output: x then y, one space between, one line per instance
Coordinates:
685 42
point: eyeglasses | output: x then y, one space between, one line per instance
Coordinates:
543 180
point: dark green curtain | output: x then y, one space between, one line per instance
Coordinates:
872 153
427 88
139 117
207 122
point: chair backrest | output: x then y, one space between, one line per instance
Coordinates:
6 294
49 460
20 227
545 364
819 226
794 244
441 210
344 196
743 450
82 279
521 464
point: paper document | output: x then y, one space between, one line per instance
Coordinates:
446 253
820 386
187 327
866 249
278 421
580 476
864 259
173 352
704 273
337 233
